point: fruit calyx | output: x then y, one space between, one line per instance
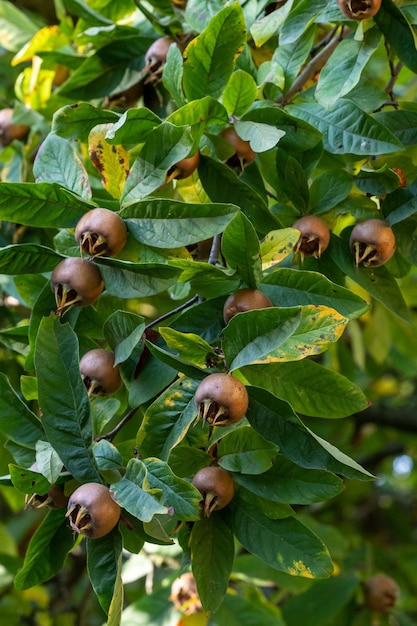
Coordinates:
75 282
221 399
216 487
314 236
92 511
53 499
372 243
101 232
359 9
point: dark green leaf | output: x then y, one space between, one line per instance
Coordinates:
199 114
103 563
76 120
16 419
240 248
300 18
172 75
177 493
133 127
178 363
292 180
27 480
27 258
123 331
244 450
398 32
328 189
135 280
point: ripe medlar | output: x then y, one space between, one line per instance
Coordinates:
372 243
101 377
101 232
184 168
92 512
221 399
314 236
75 282
243 152
53 499
155 58
244 300
9 131
381 593
184 595
216 486
359 9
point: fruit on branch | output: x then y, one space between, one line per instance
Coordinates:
221 399
381 593
101 377
155 58
101 232
55 498
91 510
245 300
184 168
314 236
9 131
184 595
75 282
359 9
216 486
243 151
372 243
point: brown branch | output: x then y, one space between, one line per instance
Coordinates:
112 433
398 418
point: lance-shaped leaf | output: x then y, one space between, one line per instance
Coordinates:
135 280
301 287
57 162
289 483
41 205
310 388
251 336
190 347
111 161
212 554
240 247
244 450
47 551
133 494
123 331
285 544
199 114
348 129
172 75
300 18
16 419
178 494
399 32
116 604
63 399
27 258
277 246
76 120
275 420
133 127
210 57
28 481
167 420
165 145
164 223
103 562
240 92
207 280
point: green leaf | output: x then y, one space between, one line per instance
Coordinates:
398 32
244 450
292 180
328 189
239 93
27 258
377 182
116 604
164 223
248 610
309 387
189 346
172 75
135 280
57 162
284 544
123 331
167 420
300 18
402 123
287 482
277 246
249 337
103 561
16 28
261 137
210 57
76 120
199 114
275 420
291 57
176 362
28 481
165 145
133 127
292 287
63 399
266 27
16 419
343 70
212 554
48 461
40 205
240 248
177 493
348 129
47 551
132 493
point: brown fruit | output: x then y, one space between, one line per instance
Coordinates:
53 499
381 593
221 399
99 374
243 151
314 236
244 300
372 243
184 595
101 232
216 486
75 282
8 131
155 58
183 169
359 9
92 512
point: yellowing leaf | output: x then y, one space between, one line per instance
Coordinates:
48 38
111 161
277 245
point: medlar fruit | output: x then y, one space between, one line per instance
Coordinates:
53 499
381 593
92 512
101 377
75 282
101 232
9 131
359 9
314 236
216 486
243 151
184 595
244 300
221 399
155 58
372 243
